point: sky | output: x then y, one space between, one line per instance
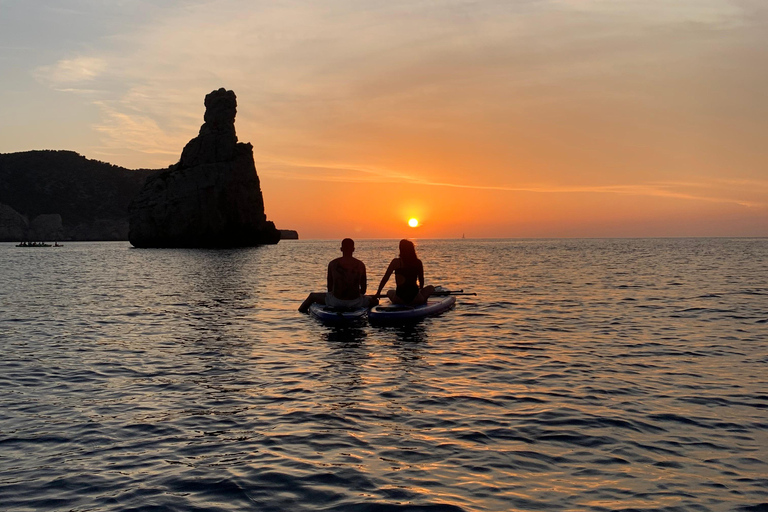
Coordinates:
511 118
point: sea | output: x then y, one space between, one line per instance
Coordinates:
586 374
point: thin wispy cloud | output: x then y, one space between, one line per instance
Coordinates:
74 70
351 174
134 131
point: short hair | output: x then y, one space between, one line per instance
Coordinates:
347 243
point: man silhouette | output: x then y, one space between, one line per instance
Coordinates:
347 283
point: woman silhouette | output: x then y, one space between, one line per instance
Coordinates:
409 277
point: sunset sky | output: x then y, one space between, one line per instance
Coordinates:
512 118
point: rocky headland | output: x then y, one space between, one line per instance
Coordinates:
61 195
212 197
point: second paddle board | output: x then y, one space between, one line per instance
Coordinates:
395 313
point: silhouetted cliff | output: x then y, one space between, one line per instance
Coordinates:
91 197
212 197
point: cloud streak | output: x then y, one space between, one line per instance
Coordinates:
672 190
71 71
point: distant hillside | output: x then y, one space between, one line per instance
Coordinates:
91 197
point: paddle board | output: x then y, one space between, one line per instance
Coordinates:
393 313
327 314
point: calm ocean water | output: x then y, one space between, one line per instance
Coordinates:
586 375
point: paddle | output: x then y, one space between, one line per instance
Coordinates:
437 293
442 291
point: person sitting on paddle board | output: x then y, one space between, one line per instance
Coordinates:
347 283
409 277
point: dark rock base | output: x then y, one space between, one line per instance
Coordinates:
208 205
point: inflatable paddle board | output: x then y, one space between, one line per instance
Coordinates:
327 314
394 313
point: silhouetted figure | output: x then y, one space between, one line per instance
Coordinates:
347 283
409 277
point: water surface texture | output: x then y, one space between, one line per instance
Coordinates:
586 375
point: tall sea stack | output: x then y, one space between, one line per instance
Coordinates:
212 197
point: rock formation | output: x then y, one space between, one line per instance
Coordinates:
46 227
13 225
87 198
212 197
289 234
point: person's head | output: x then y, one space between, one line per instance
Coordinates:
347 246
408 252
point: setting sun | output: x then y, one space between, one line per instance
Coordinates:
413 222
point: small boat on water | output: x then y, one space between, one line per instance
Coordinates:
35 244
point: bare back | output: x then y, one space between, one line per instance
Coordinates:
346 278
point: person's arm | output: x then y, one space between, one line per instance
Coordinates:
384 279
363 279
420 276
330 278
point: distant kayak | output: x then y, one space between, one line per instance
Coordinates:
331 315
395 313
